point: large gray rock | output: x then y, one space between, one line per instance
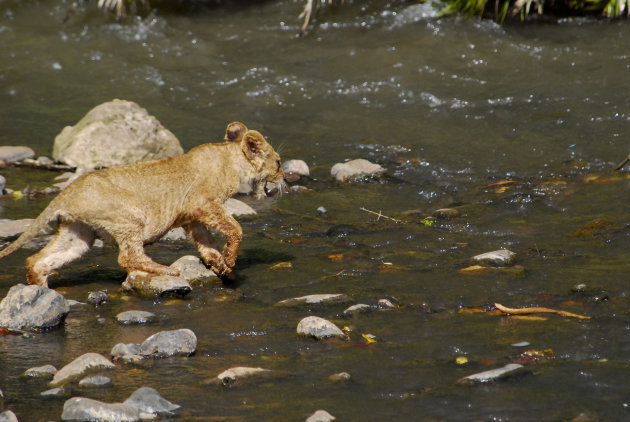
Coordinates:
32 307
354 169
79 367
182 342
114 133
148 400
13 154
84 409
319 328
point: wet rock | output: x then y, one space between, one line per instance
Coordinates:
356 309
98 298
46 371
53 393
125 349
387 303
134 317
492 375
79 367
319 328
11 229
445 213
114 133
341 377
64 180
176 234
192 268
321 416
498 258
182 342
44 161
322 210
148 400
96 381
232 375
297 167
32 307
237 208
150 285
84 409
3 184
315 299
355 169
8 416
14 154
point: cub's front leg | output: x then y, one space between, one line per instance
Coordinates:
217 217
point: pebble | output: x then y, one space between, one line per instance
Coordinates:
321 416
32 307
96 381
322 210
46 371
498 258
315 299
354 169
134 317
78 367
298 167
319 328
98 298
8 416
14 154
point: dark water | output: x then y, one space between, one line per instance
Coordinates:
448 107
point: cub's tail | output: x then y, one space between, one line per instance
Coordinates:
32 231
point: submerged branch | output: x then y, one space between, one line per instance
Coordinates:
537 310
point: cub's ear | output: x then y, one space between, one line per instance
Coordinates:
253 144
234 132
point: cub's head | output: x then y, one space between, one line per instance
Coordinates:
264 159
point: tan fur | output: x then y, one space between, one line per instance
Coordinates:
135 205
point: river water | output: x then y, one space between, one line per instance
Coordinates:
450 107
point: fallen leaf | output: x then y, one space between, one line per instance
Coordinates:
461 360
296 240
336 257
281 266
503 182
370 338
537 310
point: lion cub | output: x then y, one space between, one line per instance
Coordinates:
135 205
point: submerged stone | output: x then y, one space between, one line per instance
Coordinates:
356 309
191 268
134 317
85 409
96 381
319 328
53 393
151 285
98 298
182 342
498 258
354 169
148 400
315 299
45 371
321 416
32 307
79 367
491 375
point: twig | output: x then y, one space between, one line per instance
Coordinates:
623 163
379 214
537 310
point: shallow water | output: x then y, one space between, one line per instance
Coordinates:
448 107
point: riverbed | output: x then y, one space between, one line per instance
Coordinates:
516 127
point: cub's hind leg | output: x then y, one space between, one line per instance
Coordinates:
207 246
131 254
71 242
